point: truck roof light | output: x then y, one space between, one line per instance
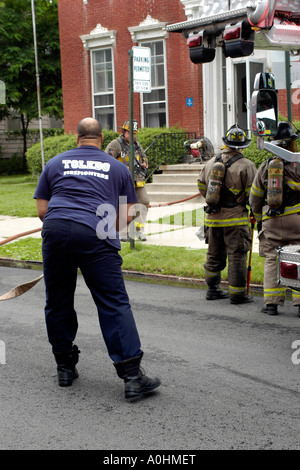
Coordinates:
233 32
194 41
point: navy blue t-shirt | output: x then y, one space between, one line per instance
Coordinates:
86 185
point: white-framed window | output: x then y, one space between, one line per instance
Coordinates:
154 104
100 42
103 87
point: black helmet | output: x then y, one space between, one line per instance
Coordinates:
236 138
286 132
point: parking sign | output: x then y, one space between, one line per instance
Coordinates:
142 69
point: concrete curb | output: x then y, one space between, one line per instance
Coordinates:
38 266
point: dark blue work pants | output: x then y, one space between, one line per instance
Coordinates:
68 246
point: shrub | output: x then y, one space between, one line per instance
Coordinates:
11 166
60 143
52 146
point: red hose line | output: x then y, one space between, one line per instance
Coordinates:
23 234
7 240
175 202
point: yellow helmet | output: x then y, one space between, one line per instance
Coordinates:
126 124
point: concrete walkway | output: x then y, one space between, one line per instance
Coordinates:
156 233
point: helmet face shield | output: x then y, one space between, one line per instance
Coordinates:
236 138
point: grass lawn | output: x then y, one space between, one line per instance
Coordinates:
16 199
16 196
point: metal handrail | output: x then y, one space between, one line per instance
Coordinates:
166 144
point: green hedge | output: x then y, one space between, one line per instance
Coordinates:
58 144
11 166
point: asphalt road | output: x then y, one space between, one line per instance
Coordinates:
230 377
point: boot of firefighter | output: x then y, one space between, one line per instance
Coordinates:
66 370
237 278
137 383
214 292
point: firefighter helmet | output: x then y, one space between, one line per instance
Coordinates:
236 138
126 126
286 132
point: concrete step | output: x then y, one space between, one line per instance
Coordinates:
182 168
172 187
175 178
177 182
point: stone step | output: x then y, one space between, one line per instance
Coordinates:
172 178
182 168
177 182
172 187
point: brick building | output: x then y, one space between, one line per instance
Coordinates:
95 37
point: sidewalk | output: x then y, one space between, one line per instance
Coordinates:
156 233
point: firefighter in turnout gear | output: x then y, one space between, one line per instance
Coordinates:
225 183
120 149
275 202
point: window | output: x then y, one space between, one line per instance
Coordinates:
154 104
103 87
100 42
152 33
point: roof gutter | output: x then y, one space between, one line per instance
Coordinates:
215 23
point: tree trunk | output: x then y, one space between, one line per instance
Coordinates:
25 123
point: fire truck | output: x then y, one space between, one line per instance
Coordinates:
238 30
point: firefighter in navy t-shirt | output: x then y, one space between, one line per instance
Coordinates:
82 196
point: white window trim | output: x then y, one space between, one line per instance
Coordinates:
148 29
165 87
101 38
152 30
114 89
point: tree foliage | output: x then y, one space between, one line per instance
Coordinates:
17 60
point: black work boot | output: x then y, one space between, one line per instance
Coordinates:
241 299
137 383
66 370
270 309
214 293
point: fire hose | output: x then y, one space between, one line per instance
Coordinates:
22 288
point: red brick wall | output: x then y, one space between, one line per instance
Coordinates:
184 79
282 103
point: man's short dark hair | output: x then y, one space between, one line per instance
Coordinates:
89 128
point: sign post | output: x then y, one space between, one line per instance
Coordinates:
140 82
131 155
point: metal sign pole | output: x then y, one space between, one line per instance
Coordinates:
37 83
131 156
